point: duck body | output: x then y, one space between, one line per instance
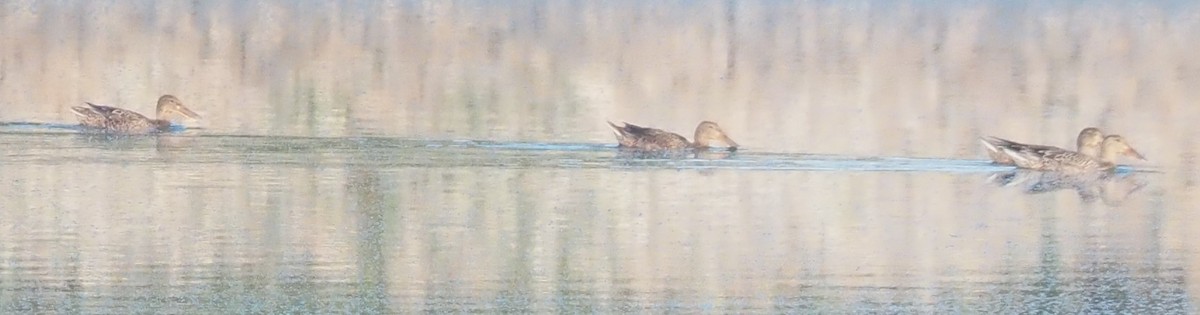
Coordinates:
996 147
1055 159
630 136
117 120
650 139
1061 160
1088 143
111 119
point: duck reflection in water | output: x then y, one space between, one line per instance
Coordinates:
1112 188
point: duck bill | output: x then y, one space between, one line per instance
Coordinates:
188 113
1134 153
729 142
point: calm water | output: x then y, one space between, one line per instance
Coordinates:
403 157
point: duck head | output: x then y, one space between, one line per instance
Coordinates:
171 105
1115 144
1089 141
708 131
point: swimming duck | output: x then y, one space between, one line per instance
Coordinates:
650 139
1061 160
1087 143
118 120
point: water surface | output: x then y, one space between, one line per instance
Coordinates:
233 223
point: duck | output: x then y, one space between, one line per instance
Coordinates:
1062 160
1087 143
631 136
118 120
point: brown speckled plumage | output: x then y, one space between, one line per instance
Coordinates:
650 139
1087 143
1057 159
119 120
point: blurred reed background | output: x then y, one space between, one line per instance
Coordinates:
857 77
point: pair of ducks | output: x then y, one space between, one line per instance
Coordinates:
1096 152
117 120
